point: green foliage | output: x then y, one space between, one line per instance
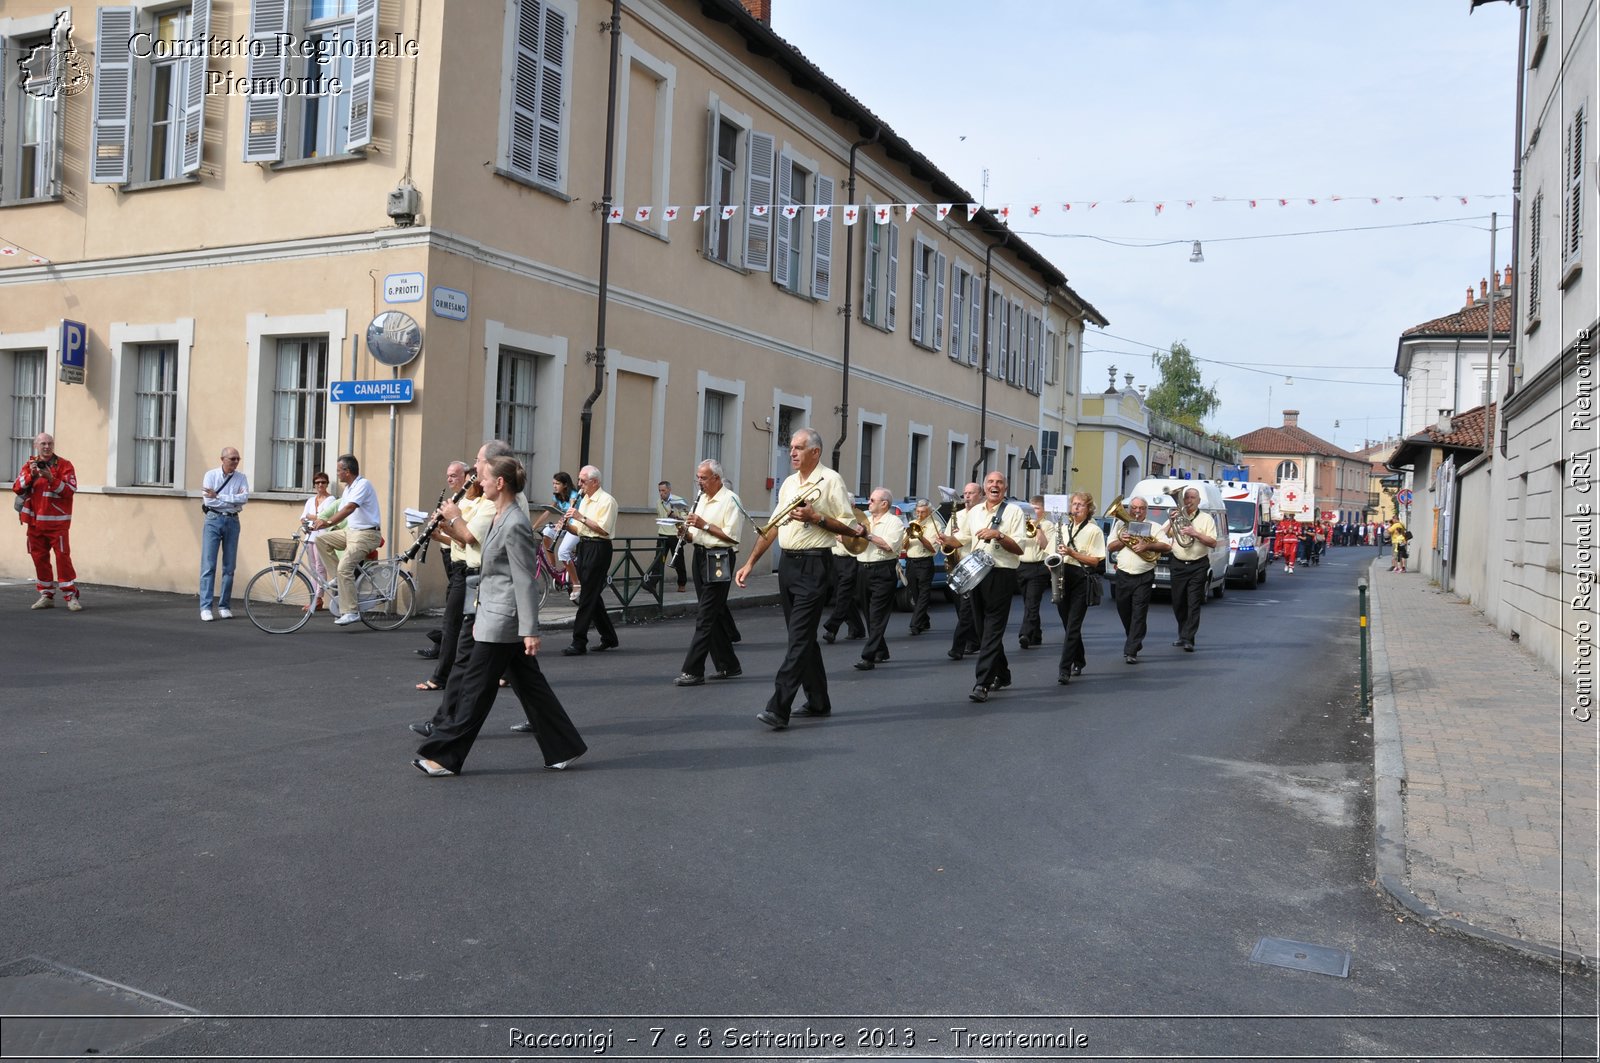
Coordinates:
1181 396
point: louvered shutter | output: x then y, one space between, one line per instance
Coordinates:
113 96
780 260
263 111
192 121
5 105
990 362
1574 233
892 280
1018 353
758 191
50 135
361 71
938 302
822 243
713 218
1535 227
974 322
919 287
552 94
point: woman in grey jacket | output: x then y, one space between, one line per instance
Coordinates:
506 637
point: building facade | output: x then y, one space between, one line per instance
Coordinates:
1333 481
226 223
1444 363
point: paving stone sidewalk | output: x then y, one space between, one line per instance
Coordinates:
1486 786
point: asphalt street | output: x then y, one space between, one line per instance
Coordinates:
228 821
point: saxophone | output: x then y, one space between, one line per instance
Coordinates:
1058 571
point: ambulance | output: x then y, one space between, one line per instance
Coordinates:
1162 495
1250 509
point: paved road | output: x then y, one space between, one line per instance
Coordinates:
227 820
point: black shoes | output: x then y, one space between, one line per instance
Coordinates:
1129 658
1022 640
829 637
604 646
979 693
732 673
1188 647
999 684
809 710
1077 669
1064 678
865 665
771 720
955 655
523 728
430 654
425 728
686 680
1179 644
574 651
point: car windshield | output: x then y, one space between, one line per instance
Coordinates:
1241 516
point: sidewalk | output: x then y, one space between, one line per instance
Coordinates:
1486 786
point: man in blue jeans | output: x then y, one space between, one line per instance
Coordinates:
224 492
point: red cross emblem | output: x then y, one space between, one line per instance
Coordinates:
1291 496
616 213
671 214
850 214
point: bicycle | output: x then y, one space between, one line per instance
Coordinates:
548 575
279 599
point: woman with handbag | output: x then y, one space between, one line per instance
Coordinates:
505 637
1083 546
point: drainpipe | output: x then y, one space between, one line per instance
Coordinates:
849 274
586 418
1509 385
983 388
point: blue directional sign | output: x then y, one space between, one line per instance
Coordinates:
352 391
74 351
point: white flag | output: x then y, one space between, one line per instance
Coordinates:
852 214
822 211
642 214
972 211
670 214
700 212
883 214
729 211
790 210
8 251
911 211
944 210
615 216
761 211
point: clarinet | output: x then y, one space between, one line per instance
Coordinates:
425 536
683 535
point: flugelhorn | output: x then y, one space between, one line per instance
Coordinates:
1118 511
807 495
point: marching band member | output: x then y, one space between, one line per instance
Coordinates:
667 505
956 544
813 507
715 524
1083 545
1191 565
1033 579
594 518
996 528
1135 579
922 548
876 574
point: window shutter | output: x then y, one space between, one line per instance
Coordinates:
871 255
263 112
990 361
892 281
361 70
938 302
780 259
192 122
919 288
974 325
552 95
822 243
1574 234
714 215
958 302
1535 224
1018 324
758 192
5 64
113 95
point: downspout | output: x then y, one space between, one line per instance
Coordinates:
849 287
1509 385
983 387
586 418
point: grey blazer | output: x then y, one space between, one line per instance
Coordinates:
508 607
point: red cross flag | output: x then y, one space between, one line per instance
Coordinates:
642 214
8 251
911 211
1033 211
761 211
851 214
943 210
1066 207
671 214
972 211
790 210
1004 213
615 216
729 210
882 214
699 212
822 211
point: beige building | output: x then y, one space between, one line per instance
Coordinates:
227 193
1120 441
1330 480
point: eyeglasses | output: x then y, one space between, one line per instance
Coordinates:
316 482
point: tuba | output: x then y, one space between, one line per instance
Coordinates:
1118 511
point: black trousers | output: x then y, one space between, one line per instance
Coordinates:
877 586
455 598
919 584
846 597
1033 579
594 569
664 546
1132 594
713 626
991 609
803 581
1071 608
1190 584
475 687
965 639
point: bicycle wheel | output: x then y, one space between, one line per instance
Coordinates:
545 580
278 599
386 595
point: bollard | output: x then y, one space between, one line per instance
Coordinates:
1366 686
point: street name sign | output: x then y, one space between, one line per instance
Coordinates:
358 391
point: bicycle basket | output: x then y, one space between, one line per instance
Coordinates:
282 549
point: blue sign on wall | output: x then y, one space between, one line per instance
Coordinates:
396 391
74 351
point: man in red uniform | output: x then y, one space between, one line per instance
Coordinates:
46 485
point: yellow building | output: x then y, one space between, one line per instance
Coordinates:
227 193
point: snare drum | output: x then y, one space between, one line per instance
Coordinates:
974 568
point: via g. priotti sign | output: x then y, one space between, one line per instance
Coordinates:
403 288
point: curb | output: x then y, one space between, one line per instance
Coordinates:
1389 818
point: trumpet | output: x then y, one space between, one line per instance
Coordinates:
913 532
806 496
1118 511
1030 529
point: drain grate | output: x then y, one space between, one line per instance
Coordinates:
1303 956
53 1010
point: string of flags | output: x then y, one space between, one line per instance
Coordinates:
851 213
11 251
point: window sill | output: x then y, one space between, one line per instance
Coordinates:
528 182
639 227
803 296
33 202
320 160
1570 274
873 324
147 491
165 182
715 261
1531 327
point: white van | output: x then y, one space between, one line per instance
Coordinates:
1162 495
1249 511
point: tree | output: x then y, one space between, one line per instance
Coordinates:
1181 396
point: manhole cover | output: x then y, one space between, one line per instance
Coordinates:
1303 956
52 1010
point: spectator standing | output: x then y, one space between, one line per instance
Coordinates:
224 491
44 488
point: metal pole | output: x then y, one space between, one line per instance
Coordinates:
1366 683
355 340
392 471
586 418
1488 354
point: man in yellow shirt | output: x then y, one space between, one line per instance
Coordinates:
997 528
1135 579
1191 565
956 544
715 525
922 551
813 507
877 564
593 519
1033 579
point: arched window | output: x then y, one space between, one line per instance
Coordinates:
1288 470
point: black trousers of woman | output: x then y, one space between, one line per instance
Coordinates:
479 683
1071 608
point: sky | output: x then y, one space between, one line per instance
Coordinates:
1171 101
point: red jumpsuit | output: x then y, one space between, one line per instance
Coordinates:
47 513
1288 541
